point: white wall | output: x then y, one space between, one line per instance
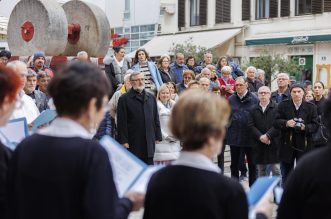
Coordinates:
114 11
145 12
6 7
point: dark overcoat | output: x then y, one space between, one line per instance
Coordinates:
285 112
238 133
138 123
262 123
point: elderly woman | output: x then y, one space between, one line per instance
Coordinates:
192 186
226 82
152 76
60 171
167 74
168 149
10 84
188 75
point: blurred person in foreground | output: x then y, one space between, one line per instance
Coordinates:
307 190
192 186
60 172
10 84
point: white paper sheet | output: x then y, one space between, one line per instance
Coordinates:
14 131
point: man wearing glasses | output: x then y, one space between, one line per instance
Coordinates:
283 91
239 134
5 56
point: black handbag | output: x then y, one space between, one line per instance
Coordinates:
321 136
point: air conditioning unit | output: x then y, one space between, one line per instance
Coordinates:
168 8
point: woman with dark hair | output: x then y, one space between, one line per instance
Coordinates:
10 84
152 76
59 172
167 74
116 67
191 63
221 62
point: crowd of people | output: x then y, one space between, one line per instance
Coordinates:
180 114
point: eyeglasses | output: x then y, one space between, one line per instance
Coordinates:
239 85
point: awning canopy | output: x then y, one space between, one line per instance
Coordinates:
292 40
161 44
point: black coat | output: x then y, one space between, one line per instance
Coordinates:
285 112
179 192
253 86
307 190
5 155
262 123
238 133
138 123
167 76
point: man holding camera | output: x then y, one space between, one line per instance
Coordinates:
297 120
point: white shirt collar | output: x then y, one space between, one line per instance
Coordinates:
264 107
196 160
63 127
297 106
242 96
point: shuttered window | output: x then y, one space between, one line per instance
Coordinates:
181 14
246 10
203 12
273 8
266 9
285 8
223 11
327 5
308 7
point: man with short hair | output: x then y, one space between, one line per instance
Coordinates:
82 56
253 84
297 120
5 56
25 106
43 79
38 61
207 60
283 91
188 75
178 67
138 122
39 97
239 134
265 136
204 84
260 75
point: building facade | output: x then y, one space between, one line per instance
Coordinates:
245 28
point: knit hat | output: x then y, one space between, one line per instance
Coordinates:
295 86
38 55
5 53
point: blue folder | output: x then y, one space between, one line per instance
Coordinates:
44 118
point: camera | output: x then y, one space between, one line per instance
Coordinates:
298 123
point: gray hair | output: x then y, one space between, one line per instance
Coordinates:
204 79
264 87
82 53
135 73
241 78
226 69
250 68
205 69
127 77
16 64
284 74
260 72
31 73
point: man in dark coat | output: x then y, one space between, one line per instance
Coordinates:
138 120
238 134
297 120
265 136
283 91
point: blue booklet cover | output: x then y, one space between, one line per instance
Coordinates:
260 188
44 118
14 132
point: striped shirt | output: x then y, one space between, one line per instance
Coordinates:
149 82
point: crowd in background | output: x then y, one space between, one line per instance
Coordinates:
268 132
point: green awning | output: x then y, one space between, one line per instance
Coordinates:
289 40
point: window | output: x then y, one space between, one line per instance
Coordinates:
143 42
198 12
127 10
223 11
145 28
266 9
285 8
135 29
327 5
134 36
127 30
119 30
181 13
303 7
246 10
135 43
